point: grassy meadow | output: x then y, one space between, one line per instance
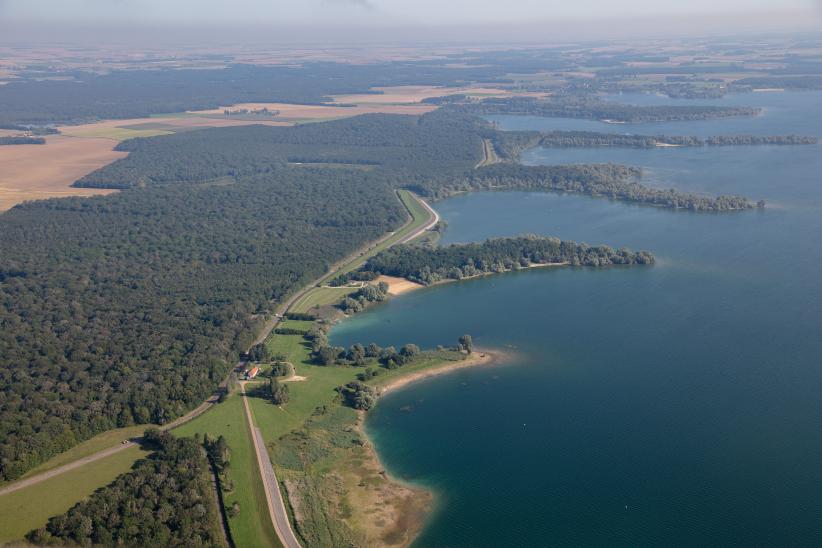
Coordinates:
31 507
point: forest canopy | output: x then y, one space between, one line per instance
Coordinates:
457 261
571 106
131 308
167 500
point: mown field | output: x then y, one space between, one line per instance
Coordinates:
31 507
89 447
47 171
252 526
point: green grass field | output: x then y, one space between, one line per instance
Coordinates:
252 526
303 325
89 447
30 508
321 296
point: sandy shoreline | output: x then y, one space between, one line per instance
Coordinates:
408 506
398 286
478 358
412 505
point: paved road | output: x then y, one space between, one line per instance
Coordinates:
434 218
336 267
276 505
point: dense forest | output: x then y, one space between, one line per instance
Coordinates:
77 96
608 180
596 109
131 308
434 154
407 144
167 500
455 262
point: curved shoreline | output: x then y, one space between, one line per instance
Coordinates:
424 498
479 357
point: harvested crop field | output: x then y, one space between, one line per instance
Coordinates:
120 130
47 171
289 113
415 94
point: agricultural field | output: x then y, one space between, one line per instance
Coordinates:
36 172
400 95
297 114
165 124
115 133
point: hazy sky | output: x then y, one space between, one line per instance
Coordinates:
443 12
401 21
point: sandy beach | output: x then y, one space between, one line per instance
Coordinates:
477 358
398 286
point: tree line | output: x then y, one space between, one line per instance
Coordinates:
511 143
167 500
607 180
576 106
21 140
458 261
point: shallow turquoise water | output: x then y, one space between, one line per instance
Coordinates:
672 405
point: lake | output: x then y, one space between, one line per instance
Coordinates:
671 405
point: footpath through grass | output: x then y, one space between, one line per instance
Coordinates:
99 442
30 508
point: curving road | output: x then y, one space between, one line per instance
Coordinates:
434 218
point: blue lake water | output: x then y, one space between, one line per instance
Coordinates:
674 405
783 113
